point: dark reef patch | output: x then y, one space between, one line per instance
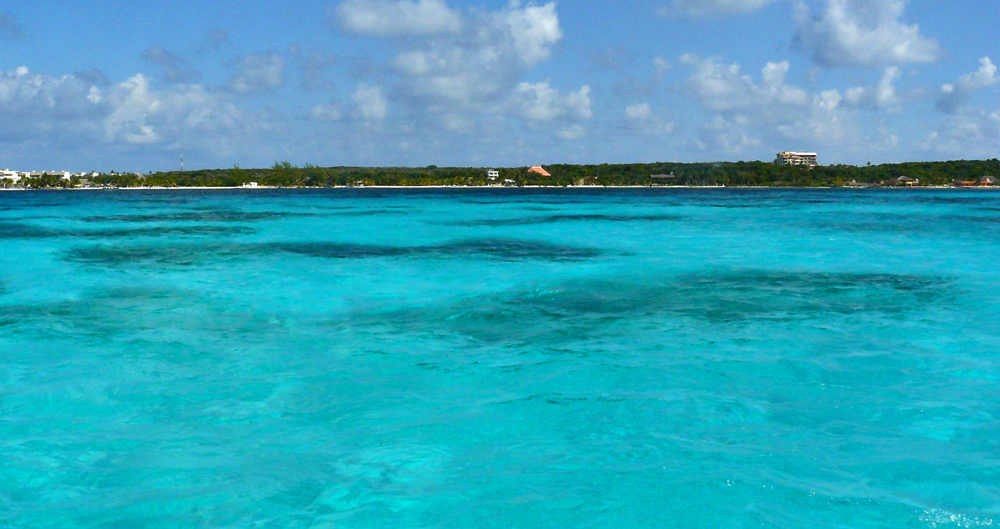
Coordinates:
193 254
548 219
584 309
169 231
198 216
153 314
170 255
366 212
504 249
20 230
876 222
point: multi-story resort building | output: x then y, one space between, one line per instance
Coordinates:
796 158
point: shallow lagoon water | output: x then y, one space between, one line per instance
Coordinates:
500 358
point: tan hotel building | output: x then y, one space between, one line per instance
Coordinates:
796 158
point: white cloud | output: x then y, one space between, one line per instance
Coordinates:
396 18
638 112
712 7
329 112
482 64
748 111
541 102
881 96
140 114
534 29
258 72
862 33
41 106
970 133
953 96
572 132
641 119
371 106
67 110
470 70
661 65
133 105
723 88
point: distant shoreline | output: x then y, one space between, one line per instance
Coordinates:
261 188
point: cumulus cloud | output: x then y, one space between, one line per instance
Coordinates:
10 28
175 69
881 96
534 29
712 7
43 105
135 112
661 65
748 110
397 18
862 33
751 113
642 119
455 68
482 63
329 112
541 102
370 104
969 133
724 88
953 96
256 73
572 132
140 114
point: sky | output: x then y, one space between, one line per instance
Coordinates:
109 85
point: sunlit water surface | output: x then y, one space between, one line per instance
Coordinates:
506 358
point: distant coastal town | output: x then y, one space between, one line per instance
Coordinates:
788 169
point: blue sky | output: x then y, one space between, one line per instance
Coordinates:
113 85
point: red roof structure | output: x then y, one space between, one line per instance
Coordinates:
538 169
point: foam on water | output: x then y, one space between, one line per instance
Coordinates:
503 358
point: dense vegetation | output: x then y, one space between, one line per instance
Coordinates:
689 174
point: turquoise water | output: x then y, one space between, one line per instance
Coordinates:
505 358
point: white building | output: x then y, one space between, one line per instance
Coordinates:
796 158
7 174
493 174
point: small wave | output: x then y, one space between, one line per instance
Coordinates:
942 518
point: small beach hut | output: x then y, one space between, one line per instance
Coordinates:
988 180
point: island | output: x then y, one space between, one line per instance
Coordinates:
958 173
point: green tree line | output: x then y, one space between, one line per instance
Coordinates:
754 173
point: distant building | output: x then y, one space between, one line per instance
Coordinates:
493 174
902 181
987 181
538 170
807 159
10 175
